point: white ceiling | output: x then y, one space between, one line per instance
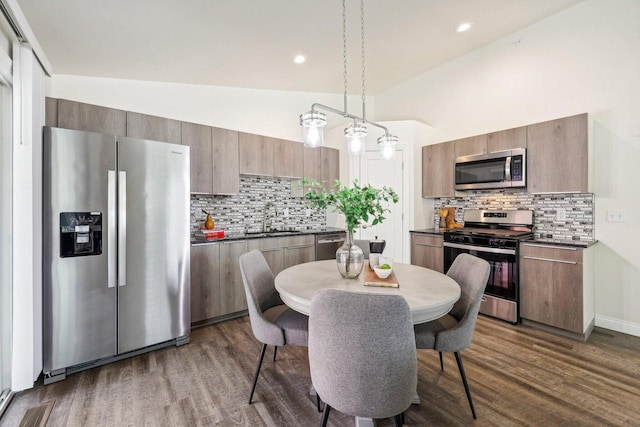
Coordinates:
251 43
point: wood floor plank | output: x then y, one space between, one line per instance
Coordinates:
518 377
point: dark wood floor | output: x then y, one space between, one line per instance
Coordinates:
517 375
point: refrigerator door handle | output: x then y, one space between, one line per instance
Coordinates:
111 229
122 228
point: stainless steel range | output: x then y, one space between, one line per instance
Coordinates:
493 236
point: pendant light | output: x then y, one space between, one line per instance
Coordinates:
314 121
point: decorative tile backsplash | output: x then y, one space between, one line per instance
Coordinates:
578 211
245 210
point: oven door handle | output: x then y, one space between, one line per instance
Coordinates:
480 248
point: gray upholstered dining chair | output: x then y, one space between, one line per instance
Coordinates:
364 245
453 332
272 322
362 353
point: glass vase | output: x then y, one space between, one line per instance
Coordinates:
350 258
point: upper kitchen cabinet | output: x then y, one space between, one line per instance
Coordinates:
51 112
91 118
153 128
287 158
557 156
330 161
198 138
507 139
214 159
312 164
437 170
255 154
226 168
472 145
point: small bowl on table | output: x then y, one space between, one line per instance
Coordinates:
382 273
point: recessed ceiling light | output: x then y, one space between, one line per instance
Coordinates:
299 59
463 27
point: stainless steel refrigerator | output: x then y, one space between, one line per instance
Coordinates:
116 248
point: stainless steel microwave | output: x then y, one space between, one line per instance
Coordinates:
500 169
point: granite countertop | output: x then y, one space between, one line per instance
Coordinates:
259 235
562 242
437 231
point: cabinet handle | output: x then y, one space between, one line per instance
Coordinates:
565 248
428 245
549 259
270 250
299 246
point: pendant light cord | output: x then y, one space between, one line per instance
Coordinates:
344 51
364 116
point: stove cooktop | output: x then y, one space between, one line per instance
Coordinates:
492 232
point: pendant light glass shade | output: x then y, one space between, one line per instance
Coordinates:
356 135
387 144
312 123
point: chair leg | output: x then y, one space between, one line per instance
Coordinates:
464 381
325 415
318 402
398 420
255 380
275 350
441 364
402 417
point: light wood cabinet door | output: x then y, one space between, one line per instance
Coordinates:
91 118
330 160
153 128
272 251
507 139
557 156
205 282
226 169
287 158
437 170
51 112
232 295
198 138
551 290
472 145
298 250
255 154
427 251
312 168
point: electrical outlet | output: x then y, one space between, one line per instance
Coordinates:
614 215
307 212
285 213
561 214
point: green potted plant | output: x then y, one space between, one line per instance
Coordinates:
360 205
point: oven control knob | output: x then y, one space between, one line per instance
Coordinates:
497 242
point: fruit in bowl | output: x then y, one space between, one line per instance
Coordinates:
383 271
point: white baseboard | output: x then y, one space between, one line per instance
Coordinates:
618 325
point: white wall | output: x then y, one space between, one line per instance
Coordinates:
584 59
264 112
28 98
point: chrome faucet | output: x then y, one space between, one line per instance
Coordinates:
264 215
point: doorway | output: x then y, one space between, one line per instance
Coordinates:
389 173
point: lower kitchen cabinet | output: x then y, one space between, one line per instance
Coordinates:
205 282
272 251
217 289
232 296
556 288
427 251
298 250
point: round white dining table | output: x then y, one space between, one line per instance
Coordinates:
430 294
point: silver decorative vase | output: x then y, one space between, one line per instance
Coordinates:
350 258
